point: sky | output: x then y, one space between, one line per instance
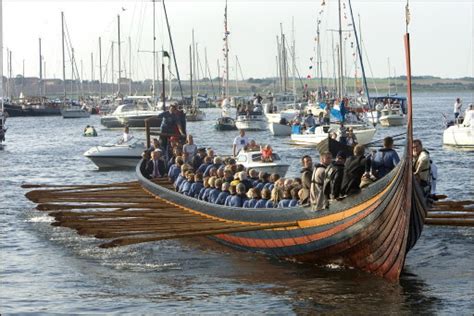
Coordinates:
442 35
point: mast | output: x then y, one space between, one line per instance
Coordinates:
154 57
172 48
388 62
341 70
119 55
319 62
236 76
92 73
40 69
209 72
112 68
293 72
280 77
1 62
130 65
191 73
64 59
100 68
226 52
366 87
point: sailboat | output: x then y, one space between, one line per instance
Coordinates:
69 111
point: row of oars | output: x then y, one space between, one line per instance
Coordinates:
451 213
127 214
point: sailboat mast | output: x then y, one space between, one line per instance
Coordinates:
130 65
191 72
100 68
388 62
64 59
226 53
119 55
174 55
1 58
40 69
293 74
341 70
154 57
236 76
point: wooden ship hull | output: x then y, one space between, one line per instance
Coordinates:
372 231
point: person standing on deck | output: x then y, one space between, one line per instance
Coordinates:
385 159
318 199
306 174
457 109
169 124
239 142
421 166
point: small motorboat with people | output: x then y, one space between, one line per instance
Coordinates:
281 128
254 160
363 133
89 131
119 155
388 111
194 114
460 133
225 123
251 121
75 112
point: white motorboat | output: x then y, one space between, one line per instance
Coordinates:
461 135
254 121
364 134
133 113
120 155
253 160
278 129
392 117
74 113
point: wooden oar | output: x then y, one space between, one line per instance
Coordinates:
450 222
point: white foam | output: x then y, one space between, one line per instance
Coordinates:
40 219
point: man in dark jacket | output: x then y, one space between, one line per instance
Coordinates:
156 165
354 169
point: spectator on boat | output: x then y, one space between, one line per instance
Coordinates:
228 175
421 166
198 159
342 134
210 152
189 149
155 144
266 195
252 146
333 176
263 180
351 139
286 200
239 142
175 169
217 163
306 174
169 122
223 194
457 109
214 193
196 186
295 197
243 179
182 176
211 185
274 177
309 122
385 159
354 169
253 177
327 114
232 193
239 199
126 136
185 187
267 153
144 166
180 127
157 164
317 197
253 196
207 162
275 198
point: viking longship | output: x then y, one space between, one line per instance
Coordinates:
371 231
